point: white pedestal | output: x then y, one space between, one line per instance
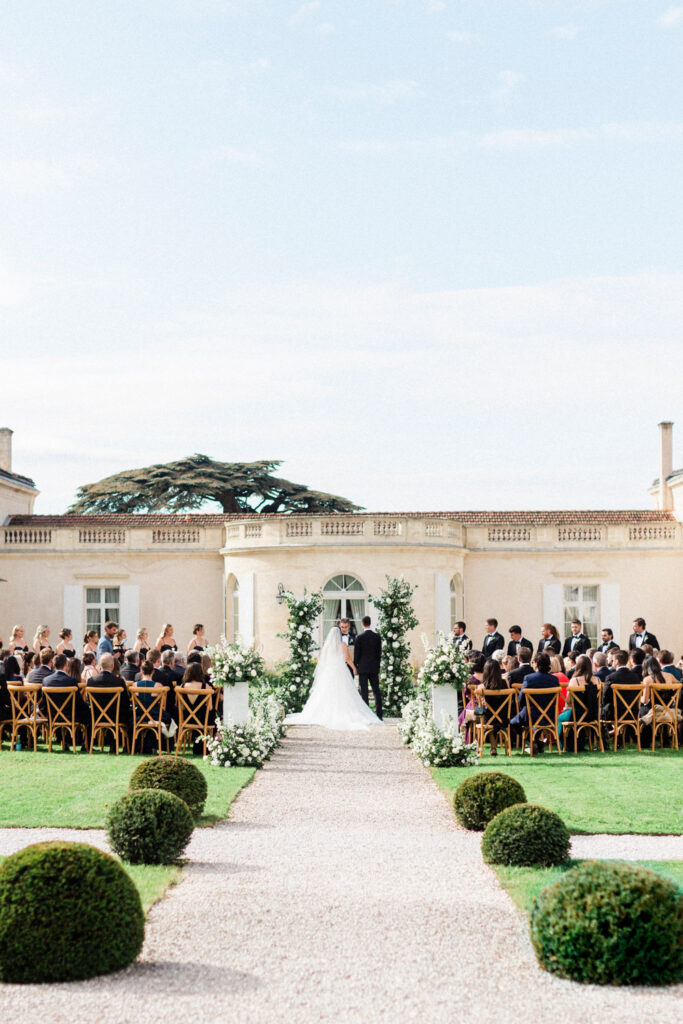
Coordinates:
236 703
444 701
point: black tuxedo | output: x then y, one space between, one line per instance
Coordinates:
367 656
463 642
622 677
60 679
648 638
107 680
551 645
492 642
609 646
514 645
518 675
581 646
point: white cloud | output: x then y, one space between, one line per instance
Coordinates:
671 18
42 177
384 93
508 83
10 74
306 10
564 32
462 36
236 155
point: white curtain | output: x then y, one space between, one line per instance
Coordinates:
357 611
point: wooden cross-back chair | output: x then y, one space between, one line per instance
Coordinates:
60 704
26 713
105 708
499 707
543 715
148 704
583 719
626 707
193 715
665 700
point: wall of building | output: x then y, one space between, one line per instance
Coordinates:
15 501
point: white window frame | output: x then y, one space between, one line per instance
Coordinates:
581 607
344 596
108 609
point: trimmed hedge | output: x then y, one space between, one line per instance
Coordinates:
67 911
175 775
526 835
610 924
481 797
149 826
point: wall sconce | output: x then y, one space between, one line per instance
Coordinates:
280 596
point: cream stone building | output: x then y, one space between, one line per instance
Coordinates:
227 571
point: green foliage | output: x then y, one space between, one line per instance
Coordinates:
186 484
526 834
175 775
149 826
607 923
297 673
67 911
480 798
396 618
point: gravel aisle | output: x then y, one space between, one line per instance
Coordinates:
341 890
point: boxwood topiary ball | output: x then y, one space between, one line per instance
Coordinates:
175 775
526 835
610 924
481 797
149 826
67 911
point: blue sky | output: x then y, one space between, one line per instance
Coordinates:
427 252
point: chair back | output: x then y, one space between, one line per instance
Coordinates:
583 712
148 703
627 704
105 705
667 697
499 706
24 698
60 704
543 707
193 715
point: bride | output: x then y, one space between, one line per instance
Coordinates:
334 701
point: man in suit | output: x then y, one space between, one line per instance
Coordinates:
60 678
539 679
636 659
518 675
493 641
517 641
608 642
367 656
105 679
44 669
131 666
155 657
622 676
347 637
460 637
666 660
549 641
600 667
578 641
640 636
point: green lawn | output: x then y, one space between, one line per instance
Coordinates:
76 790
615 793
524 884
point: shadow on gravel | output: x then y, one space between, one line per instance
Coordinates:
209 868
167 976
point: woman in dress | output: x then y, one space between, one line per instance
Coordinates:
492 679
581 677
557 670
198 641
166 641
41 638
17 644
65 645
334 701
119 645
142 644
89 669
90 643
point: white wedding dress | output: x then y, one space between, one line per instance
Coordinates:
334 701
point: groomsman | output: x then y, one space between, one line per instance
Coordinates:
549 641
578 641
608 643
460 637
517 641
640 636
493 641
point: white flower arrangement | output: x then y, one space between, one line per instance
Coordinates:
249 744
444 665
437 748
297 674
396 619
231 663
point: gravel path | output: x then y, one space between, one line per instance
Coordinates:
341 890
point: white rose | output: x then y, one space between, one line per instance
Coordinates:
395 644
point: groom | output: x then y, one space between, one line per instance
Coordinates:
367 655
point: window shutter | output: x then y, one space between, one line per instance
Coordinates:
129 611
553 609
73 612
442 603
246 599
610 612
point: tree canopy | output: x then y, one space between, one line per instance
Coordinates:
185 485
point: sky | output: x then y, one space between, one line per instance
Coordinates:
425 252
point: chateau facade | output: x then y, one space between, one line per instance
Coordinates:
227 571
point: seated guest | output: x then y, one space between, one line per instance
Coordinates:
195 658
666 661
155 657
636 658
168 725
652 675
550 639
607 643
649 651
194 679
107 679
622 676
509 663
569 663
492 679
610 658
493 640
557 669
74 668
517 640
43 668
583 677
88 661
131 666
206 664
30 660
476 664
600 669
518 675
167 676
60 677
640 636
10 674
178 666
577 641
539 679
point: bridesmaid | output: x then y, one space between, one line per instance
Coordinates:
17 644
198 641
142 644
119 645
41 638
65 645
166 641
90 642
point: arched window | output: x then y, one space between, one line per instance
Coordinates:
343 597
456 599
